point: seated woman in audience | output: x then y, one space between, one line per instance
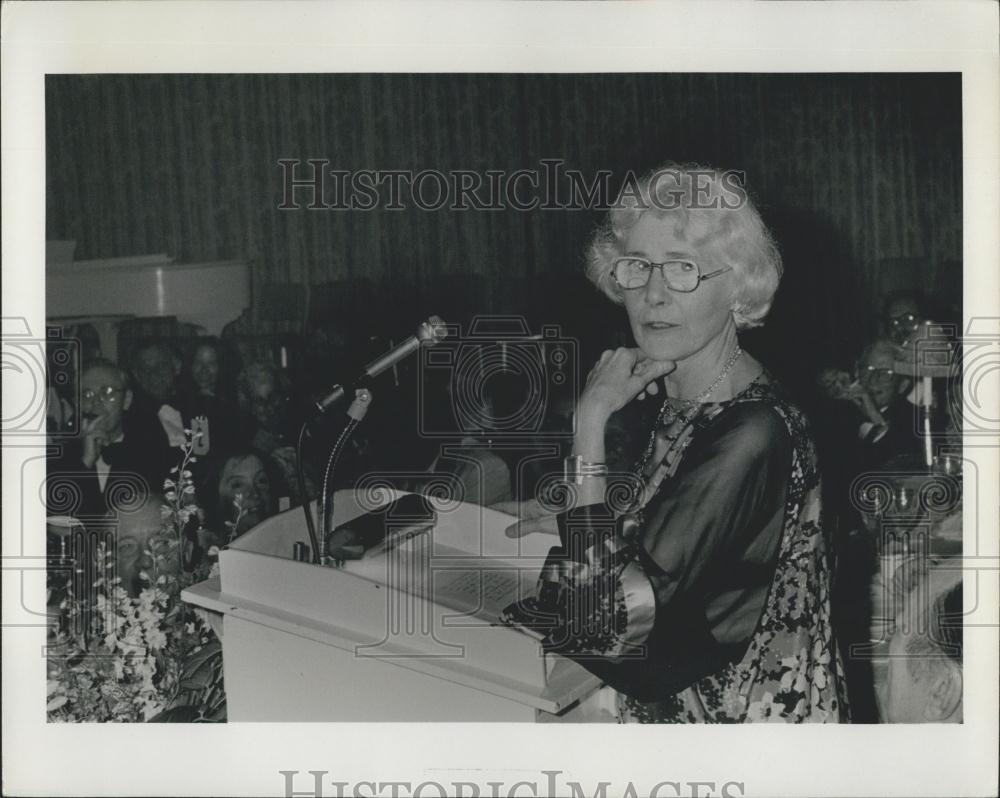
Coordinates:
235 493
207 396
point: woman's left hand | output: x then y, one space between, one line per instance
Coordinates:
619 377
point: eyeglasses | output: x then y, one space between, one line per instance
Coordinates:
876 371
684 276
108 394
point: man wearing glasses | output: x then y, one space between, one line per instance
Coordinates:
891 423
111 463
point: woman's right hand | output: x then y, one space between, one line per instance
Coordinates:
619 376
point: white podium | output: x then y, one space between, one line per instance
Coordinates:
409 634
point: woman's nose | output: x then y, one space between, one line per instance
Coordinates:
657 292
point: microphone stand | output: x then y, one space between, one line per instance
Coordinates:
355 413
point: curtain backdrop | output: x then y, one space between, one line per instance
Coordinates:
859 175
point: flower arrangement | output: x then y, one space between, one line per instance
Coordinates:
144 658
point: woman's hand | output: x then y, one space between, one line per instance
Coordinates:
619 377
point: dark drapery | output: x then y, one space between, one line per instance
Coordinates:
860 176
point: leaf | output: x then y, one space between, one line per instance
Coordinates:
197 682
55 703
176 715
218 715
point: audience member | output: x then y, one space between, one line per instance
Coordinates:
891 417
113 458
207 396
154 369
902 314
236 493
263 395
133 534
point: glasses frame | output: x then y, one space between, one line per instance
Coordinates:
652 265
108 394
872 371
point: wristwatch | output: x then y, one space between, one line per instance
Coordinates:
576 469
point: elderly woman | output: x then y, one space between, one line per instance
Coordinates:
703 595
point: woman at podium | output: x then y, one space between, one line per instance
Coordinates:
697 587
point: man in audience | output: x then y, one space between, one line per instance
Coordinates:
154 370
110 461
890 419
902 314
134 530
924 678
262 391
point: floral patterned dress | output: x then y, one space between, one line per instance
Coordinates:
700 590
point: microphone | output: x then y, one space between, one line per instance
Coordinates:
428 334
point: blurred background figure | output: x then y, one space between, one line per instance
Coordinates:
155 368
479 407
263 393
207 395
263 396
923 681
902 314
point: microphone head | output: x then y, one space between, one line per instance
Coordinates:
432 331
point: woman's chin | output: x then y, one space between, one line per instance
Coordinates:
658 350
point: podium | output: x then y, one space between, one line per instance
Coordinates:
407 634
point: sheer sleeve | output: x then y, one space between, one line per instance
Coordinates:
719 509
678 583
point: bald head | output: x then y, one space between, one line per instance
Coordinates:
134 533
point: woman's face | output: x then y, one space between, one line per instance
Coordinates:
205 369
245 477
669 325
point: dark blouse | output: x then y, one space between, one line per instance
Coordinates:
702 582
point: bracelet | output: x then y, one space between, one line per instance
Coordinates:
576 469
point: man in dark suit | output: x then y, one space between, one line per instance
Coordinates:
891 424
119 457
